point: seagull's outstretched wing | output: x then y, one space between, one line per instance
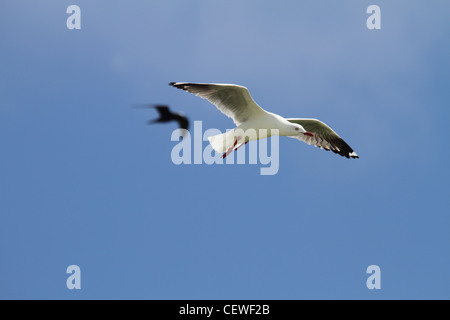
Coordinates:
323 137
233 100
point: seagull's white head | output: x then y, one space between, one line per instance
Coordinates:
296 129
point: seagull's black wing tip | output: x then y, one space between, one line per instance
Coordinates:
176 85
351 155
179 85
343 149
346 155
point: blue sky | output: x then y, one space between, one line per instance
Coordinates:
84 180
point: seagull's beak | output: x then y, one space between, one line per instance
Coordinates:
308 134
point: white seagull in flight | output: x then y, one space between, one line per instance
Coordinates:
235 102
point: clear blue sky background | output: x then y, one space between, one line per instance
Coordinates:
84 180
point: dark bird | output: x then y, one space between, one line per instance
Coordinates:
165 115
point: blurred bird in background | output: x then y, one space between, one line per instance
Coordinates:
166 115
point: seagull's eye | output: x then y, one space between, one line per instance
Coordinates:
296 129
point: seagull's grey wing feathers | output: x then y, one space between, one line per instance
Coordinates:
232 100
323 137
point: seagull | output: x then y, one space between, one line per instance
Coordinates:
165 115
235 102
